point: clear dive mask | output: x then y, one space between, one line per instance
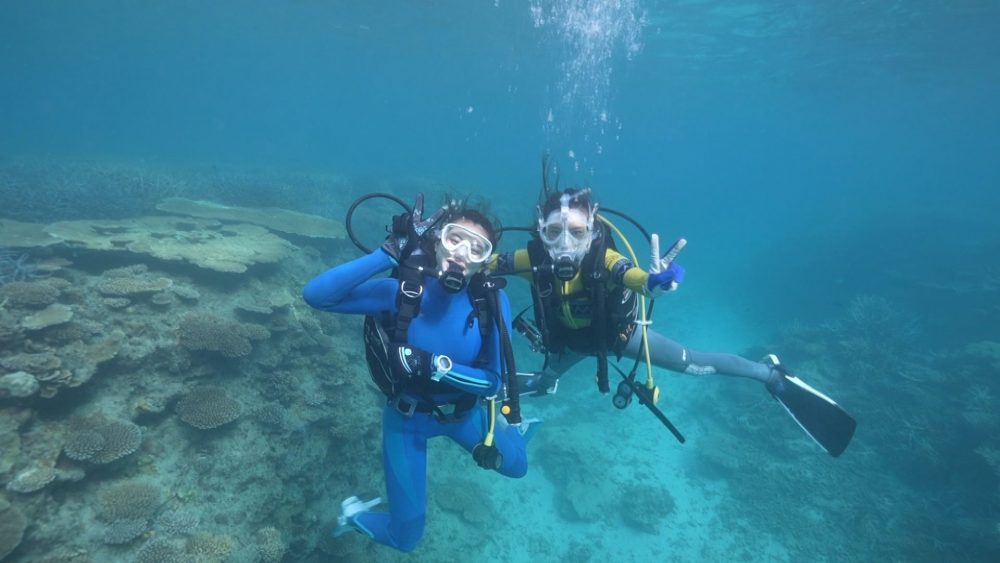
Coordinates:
456 239
567 236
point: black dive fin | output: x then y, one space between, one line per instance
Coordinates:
823 419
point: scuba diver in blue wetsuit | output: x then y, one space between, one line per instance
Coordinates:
437 342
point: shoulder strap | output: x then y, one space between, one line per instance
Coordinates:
595 278
479 287
544 296
410 274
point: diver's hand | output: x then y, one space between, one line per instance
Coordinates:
407 228
412 362
664 273
666 280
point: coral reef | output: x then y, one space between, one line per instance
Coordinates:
19 384
16 267
276 219
31 480
124 531
131 281
54 314
211 333
28 294
161 550
175 522
270 545
146 314
101 441
207 244
12 526
210 548
129 500
208 407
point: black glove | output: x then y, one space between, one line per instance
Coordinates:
412 362
407 228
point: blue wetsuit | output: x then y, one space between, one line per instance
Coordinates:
442 327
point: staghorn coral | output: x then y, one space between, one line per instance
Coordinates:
124 531
31 480
208 407
129 500
270 546
28 295
102 441
12 525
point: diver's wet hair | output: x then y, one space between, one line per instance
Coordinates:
477 212
579 199
550 198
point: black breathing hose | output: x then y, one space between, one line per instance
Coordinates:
359 201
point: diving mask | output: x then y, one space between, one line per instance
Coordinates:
567 235
456 239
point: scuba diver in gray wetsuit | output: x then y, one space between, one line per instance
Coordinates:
586 301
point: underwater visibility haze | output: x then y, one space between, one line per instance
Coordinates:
172 174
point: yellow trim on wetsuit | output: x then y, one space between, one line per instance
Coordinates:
635 279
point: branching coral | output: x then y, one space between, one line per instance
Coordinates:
208 407
270 546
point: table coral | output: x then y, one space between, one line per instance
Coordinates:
31 480
102 441
28 294
124 531
215 334
129 500
208 407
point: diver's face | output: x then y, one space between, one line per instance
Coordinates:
567 236
466 247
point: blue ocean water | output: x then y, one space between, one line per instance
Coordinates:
832 164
